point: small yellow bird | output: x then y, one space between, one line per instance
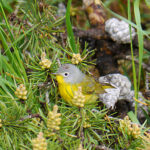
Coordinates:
70 78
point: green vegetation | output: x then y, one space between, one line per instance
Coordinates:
30 32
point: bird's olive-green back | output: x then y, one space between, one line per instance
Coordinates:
90 86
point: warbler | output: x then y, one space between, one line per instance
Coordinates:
70 78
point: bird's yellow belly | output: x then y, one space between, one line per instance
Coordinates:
67 93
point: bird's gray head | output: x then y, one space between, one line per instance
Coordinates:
70 73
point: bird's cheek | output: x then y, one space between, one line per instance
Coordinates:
59 79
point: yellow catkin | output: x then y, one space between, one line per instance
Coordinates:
45 63
131 129
136 131
76 58
53 121
39 143
21 92
78 99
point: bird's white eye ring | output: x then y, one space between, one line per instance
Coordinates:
66 74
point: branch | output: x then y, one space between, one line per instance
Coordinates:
100 34
31 116
91 33
145 66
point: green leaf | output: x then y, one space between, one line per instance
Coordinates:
6 6
69 29
4 87
133 117
132 55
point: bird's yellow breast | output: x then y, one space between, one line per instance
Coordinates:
67 91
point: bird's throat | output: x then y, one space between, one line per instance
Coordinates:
60 79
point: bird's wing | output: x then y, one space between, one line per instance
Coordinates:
90 86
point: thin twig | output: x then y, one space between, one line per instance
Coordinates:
100 34
58 62
31 116
140 101
145 66
92 33
47 98
43 85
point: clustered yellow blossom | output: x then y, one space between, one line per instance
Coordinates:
54 121
45 63
76 58
39 143
131 129
81 147
21 92
78 99
0 123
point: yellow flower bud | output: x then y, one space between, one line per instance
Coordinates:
136 131
53 121
76 58
132 129
45 63
78 99
39 143
21 92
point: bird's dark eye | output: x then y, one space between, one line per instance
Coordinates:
66 74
